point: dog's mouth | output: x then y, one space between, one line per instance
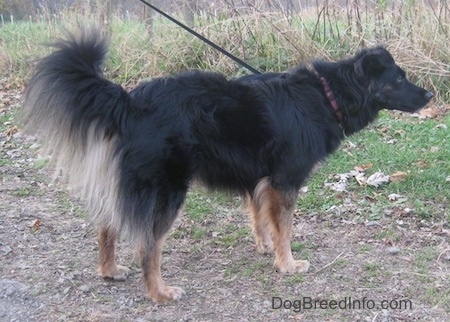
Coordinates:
414 105
409 109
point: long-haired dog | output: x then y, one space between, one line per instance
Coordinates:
134 154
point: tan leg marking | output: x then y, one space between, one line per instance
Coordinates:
107 263
279 208
261 227
151 265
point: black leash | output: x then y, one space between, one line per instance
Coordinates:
209 42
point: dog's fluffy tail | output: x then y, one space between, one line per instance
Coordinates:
78 114
68 94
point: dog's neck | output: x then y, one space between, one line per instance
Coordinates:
333 101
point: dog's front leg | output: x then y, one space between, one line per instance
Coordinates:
273 211
282 234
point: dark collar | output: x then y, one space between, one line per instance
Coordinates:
333 101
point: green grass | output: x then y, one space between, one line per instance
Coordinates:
40 163
199 233
421 149
388 234
293 279
201 203
297 247
22 192
424 259
67 203
231 236
372 269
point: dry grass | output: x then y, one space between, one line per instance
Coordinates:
416 34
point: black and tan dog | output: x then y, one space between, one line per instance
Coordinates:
134 154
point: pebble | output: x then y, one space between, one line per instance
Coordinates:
5 249
373 223
393 250
84 288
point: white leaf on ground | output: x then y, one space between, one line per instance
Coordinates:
394 197
361 179
441 126
377 179
337 186
304 189
342 176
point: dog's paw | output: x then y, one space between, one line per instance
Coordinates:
298 266
117 273
166 294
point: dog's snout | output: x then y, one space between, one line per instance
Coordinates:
429 95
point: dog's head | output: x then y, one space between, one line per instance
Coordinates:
387 82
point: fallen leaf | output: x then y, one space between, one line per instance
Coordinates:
11 131
398 176
37 225
377 179
363 167
337 186
361 179
394 196
422 164
430 112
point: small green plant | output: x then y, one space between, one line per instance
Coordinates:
294 279
372 269
424 259
199 233
297 247
23 192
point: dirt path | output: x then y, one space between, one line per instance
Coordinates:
48 264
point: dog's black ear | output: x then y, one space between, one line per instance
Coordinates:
372 63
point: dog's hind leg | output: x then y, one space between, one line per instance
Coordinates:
279 206
261 226
151 266
151 254
107 262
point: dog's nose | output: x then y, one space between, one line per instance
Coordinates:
429 95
